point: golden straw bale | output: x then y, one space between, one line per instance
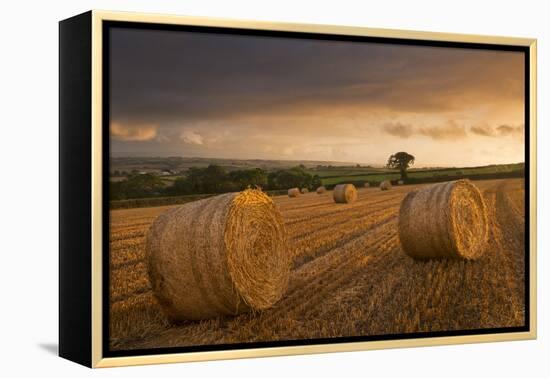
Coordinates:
304 190
448 219
344 193
294 192
385 185
321 190
222 255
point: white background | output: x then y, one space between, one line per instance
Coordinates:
29 188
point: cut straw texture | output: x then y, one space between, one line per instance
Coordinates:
385 185
294 192
321 190
219 256
344 193
446 220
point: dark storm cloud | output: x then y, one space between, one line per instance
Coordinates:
164 77
214 95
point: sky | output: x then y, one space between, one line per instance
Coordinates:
175 93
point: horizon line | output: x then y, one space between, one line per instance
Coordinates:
308 160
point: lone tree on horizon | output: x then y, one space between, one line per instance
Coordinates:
401 161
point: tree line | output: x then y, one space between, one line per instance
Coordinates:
210 180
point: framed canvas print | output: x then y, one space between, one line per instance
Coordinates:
236 189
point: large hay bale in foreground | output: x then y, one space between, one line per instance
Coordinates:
294 192
385 185
222 255
321 190
304 190
344 193
448 219
366 185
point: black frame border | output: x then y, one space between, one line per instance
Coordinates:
75 194
107 26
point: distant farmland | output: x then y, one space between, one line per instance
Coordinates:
333 175
337 175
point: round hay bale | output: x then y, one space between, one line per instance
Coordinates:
222 255
321 190
344 193
400 182
294 192
304 190
385 185
366 185
448 220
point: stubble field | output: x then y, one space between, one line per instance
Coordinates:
349 276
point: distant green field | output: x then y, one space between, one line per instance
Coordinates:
378 175
371 177
346 171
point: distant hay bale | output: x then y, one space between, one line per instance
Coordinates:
400 182
223 255
344 193
304 190
385 185
321 190
294 192
448 219
366 185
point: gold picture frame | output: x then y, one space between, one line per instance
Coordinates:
91 328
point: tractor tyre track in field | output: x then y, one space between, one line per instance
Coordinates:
325 224
338 280
337 240
307 286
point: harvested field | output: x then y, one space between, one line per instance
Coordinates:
349 276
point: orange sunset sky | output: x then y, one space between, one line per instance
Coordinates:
176 93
